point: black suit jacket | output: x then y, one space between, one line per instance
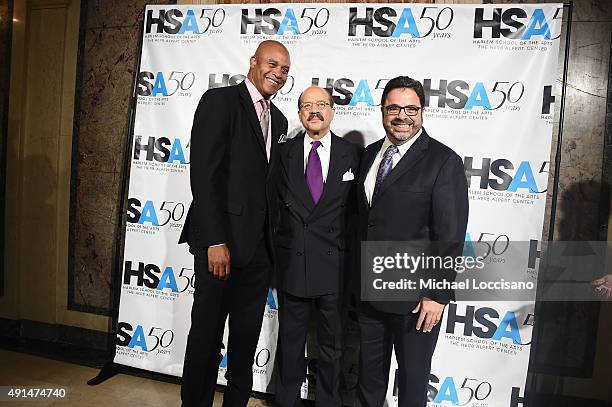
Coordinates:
233 185
311 239
424 199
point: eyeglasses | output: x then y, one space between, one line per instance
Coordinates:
309 105
394 110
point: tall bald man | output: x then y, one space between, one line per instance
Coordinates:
234 149
317 177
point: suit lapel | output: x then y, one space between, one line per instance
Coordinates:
337 161
276 123
297 178
414 154
368 160
251 114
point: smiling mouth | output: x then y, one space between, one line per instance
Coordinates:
273 82
402 125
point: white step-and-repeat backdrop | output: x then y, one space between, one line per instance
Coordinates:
489 78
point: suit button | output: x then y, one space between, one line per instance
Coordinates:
299 253
288 204
370 225
329 252
305 225
331 230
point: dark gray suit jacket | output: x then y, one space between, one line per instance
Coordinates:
424 199
232 182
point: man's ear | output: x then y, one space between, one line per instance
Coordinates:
253 61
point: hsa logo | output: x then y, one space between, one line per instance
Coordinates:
148 275
221 80
132 337
449 391
173 22
464 96
225 80
150 84
162 149
511 23
523 176
154 88
279 24
488 326
288 23
147 214
348 96
386 26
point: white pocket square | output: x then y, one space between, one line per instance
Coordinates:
283 138
348 176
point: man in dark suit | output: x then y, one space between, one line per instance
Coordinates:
411 188
316 181
234 149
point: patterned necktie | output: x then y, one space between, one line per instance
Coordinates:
264 122
384 169
314 173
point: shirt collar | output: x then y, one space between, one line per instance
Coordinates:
404 147
325 141
255 95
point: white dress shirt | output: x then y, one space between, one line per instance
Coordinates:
323 151
370 180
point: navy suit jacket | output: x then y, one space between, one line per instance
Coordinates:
311 239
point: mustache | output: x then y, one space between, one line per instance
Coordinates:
316 114
400 121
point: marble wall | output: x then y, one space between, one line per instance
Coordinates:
582 150
108 56
6 17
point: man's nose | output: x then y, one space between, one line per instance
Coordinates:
278 72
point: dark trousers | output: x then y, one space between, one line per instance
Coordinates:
380 331
243 297
290 360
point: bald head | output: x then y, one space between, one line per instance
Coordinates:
269 67
316 90
270 45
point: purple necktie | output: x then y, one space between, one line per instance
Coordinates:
314 174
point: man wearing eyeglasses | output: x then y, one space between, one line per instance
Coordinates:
411 188
317 178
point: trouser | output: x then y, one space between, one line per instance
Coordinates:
380 333
243 297
290 359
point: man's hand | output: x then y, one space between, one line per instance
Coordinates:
603 286
431 313
219 261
